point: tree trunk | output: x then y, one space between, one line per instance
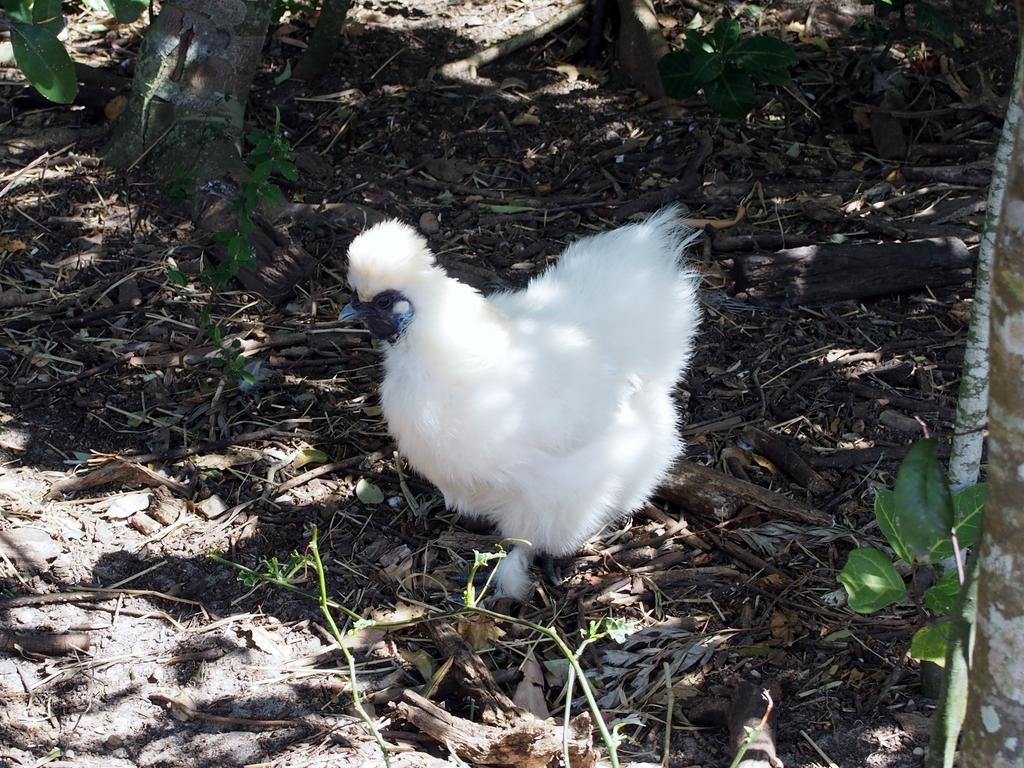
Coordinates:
323 43
965 457
185 118
192 81
641 46
994 728
972 407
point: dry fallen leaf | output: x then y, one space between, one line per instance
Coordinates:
480 632
529 694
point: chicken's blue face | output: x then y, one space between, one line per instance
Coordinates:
386 315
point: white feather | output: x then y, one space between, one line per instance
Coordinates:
549 410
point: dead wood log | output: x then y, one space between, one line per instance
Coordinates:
855 457
473 677
760 242
529 742
818 274
707 491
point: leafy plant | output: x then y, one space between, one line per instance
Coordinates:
271 153
40 55
927 16
923 523
724 66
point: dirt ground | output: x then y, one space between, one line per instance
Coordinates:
186 665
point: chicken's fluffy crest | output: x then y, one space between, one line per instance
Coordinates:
389 255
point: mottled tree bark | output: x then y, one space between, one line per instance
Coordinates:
185 118
994 728
965 457
192 80
972 407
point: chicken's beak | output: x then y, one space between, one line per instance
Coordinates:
352 312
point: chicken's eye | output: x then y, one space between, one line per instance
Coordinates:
383 301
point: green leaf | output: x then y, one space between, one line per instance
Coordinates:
731 95
127 10
969 506
46 13
941 596
924 505
778 77
930 641
697 40
725 35
285 74
870 580
177 277
885 514
758 53
368 493
45 63
684 72
18 10
309 455
288 169
618 628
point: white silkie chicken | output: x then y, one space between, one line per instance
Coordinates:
548 411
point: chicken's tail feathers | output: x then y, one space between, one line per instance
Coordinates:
668 225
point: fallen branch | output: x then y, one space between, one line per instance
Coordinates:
474 678
184 711
116 471
45 643
468 66
707 491
529 742
819 274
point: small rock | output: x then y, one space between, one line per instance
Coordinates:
29 547
123 507
211 507
144 524
429 225
167 508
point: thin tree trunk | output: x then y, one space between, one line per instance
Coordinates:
323 43
972 408
965 457
185 118
641 46
187 106
994 728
